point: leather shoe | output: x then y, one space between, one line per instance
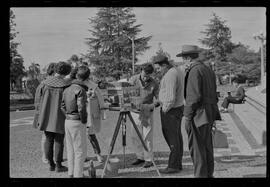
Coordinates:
137 162
148 164
52 168
169 170
61 169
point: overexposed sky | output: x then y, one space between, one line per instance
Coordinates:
53 34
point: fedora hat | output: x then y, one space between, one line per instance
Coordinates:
161 60
188 49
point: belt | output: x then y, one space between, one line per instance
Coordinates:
72 117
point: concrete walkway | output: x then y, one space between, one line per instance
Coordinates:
257 94
245 156
239 160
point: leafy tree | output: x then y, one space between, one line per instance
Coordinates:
110 44
217 39
17 69
245 62
160 53
34 78
33 71
264 55
76 60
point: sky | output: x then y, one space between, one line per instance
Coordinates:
54 34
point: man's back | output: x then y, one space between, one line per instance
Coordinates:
201 94
208 84
74 100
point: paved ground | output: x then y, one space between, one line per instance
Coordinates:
241 159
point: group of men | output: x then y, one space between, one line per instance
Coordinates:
63 108
182 93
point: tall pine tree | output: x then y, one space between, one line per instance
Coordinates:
218 36
160 53
110 46
17 69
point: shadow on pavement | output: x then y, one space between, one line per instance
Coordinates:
236 158
131 171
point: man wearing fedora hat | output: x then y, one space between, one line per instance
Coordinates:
171 97
200 110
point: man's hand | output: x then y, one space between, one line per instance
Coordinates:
106 106
164 109
90 93
186 118
149 106
152 106
157 103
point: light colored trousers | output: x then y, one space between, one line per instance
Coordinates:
147 135
43 140
75 133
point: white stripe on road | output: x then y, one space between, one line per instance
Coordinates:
21 121
26 118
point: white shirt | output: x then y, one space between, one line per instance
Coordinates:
171 92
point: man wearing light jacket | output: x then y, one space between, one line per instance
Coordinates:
144 120
172 100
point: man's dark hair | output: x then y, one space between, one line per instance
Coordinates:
191 55
162 60
63 68
236 80
148 69
83 73
51 68
85 63
73 73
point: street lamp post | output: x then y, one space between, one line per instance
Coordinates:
261 38
213 66
133 53
230 73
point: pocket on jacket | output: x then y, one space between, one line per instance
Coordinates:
200 117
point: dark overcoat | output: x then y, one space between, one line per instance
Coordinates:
48 97
200 94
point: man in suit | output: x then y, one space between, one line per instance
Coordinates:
200 111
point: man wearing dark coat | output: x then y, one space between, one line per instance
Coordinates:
200 111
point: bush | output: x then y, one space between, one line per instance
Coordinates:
242 78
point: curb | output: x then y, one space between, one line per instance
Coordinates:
21 108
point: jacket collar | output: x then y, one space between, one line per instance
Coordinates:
56 82
79 82
145 83
191 65
90 84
